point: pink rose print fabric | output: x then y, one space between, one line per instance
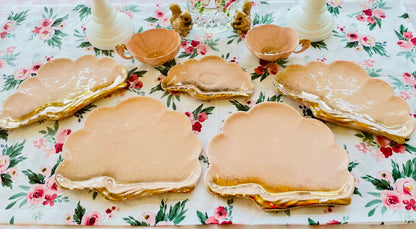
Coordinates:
377 35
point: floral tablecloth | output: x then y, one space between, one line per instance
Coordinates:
376 34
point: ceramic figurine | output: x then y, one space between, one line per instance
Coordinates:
242 19
181 21
107 27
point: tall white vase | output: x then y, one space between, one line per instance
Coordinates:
107 27
311 20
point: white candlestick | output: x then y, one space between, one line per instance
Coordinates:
311 20
108 28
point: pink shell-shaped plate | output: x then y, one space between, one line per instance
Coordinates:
280 41
211 77
154 46
343 92
278 158
134 149
61 87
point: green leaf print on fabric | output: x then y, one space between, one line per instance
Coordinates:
10 157
319 45
81 112
221 215
79 213
248 103
396 189
134 84
167 215
406 41
199 116
194 48
13 20
3 134
373 14
49 29
334 7
267 68
172 97
83 10
87 46
361 42
263 19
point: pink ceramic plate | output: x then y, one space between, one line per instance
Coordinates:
209 78
62 87
134 149
343 92
281 160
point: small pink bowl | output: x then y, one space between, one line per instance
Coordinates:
272 42
154 46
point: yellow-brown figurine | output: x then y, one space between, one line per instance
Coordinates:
181 21
242 19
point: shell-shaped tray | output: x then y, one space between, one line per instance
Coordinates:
279 159
134 149
211 77
342 92
62 87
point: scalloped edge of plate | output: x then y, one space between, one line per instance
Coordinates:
69 109
280 201
197 92
109 188
323 111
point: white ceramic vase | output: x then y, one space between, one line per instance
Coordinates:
107 27
311 20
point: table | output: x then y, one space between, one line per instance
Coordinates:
381 168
